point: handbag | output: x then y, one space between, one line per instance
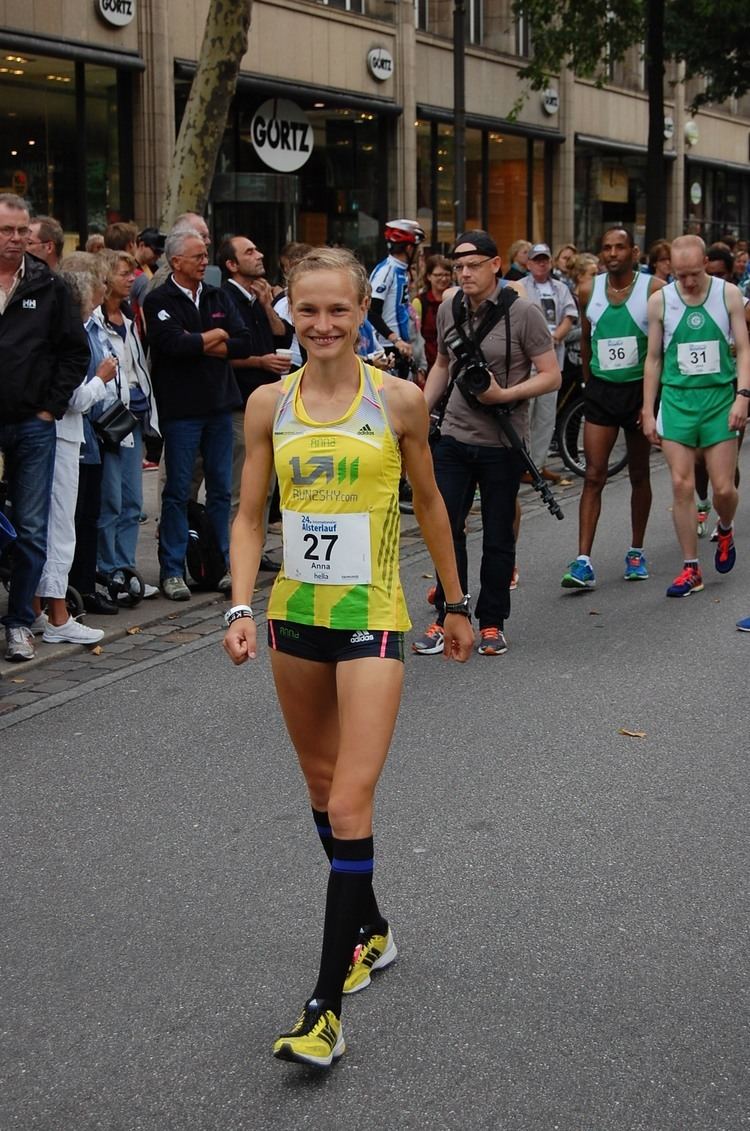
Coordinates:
115 423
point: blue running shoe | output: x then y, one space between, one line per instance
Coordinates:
579 575
636 566
687 582
744 625
725 555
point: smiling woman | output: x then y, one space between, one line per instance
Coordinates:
338 431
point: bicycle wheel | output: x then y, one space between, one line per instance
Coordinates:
570 442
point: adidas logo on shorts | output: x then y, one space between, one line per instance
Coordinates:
366 430
360 637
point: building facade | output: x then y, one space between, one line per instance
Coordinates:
343 116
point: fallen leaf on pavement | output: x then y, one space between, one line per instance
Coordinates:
428 576
594 613
564 482
632 733
134 630
18 680
97 651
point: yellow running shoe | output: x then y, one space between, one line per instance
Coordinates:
372 952
316 1038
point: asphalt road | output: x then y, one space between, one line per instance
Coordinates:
570 904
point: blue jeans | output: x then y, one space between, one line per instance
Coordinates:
29 451
183 439
459 469
121 504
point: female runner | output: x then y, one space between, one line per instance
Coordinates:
338 431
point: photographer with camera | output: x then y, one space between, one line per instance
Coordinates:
488 339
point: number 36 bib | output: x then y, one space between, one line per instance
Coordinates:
618 353
327 549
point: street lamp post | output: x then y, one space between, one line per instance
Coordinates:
459 114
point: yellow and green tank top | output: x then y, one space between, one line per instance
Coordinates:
338 485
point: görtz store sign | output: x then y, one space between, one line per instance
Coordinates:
281 135
117 12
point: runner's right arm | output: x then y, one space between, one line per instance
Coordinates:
248 534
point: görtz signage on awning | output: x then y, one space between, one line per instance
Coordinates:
117 12
281 135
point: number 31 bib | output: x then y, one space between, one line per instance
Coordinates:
327 549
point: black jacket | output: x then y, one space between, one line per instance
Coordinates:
264 341
187 382
44 351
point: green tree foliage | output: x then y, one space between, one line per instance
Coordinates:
712 38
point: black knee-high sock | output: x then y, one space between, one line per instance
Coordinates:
371 914
325 832
346 901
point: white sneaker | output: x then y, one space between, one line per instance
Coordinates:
72 632
19 643
38 626
150 591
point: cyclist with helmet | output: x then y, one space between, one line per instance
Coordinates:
389 309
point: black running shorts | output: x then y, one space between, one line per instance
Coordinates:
613 404
329 645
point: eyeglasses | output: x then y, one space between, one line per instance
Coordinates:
8 231
194 258
464 266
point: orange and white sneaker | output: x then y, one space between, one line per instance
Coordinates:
492 642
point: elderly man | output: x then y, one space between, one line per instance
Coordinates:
195 331
703 397
45 355
559 308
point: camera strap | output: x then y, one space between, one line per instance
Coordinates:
496 311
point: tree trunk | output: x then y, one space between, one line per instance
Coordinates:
656 187
205 118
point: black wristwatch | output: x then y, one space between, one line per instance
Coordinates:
460 608
743 393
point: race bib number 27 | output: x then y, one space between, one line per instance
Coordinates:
327 549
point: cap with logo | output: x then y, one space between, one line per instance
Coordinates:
481 242
539 250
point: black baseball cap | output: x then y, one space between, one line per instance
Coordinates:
481 242
153 238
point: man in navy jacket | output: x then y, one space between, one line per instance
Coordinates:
193 330
44 357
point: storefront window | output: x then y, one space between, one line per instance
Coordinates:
341 185
38 134
538 232
44 145
445 179
610 189
102 147
717 202
507 189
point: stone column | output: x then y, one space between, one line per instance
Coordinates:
404 200
563 180
153 116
